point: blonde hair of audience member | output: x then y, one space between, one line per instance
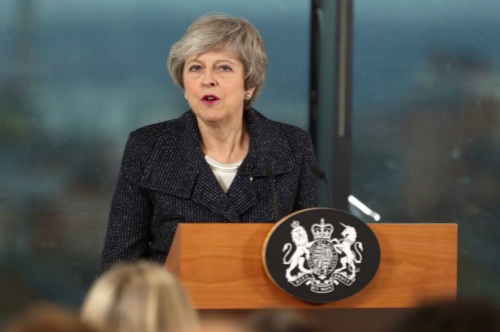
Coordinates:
139 297
49 318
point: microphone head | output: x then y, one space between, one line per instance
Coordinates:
318 172
268 168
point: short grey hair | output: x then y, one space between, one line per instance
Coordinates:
214 33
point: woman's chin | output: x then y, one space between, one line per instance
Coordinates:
211 116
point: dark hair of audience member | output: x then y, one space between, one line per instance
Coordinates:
451 316
280 320
48 318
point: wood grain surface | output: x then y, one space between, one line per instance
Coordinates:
221 267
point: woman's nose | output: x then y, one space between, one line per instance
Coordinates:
208 79
208 83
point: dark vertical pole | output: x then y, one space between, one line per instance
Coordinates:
314 70
25 53
342 145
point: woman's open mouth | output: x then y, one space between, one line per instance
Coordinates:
210 99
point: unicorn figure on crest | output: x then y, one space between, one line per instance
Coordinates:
344 246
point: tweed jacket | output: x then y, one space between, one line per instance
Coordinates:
164 180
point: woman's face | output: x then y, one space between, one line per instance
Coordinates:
214 84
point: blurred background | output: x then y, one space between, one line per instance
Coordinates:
426 123
77 76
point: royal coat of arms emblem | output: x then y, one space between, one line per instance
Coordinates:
321 255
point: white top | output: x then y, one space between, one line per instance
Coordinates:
224 173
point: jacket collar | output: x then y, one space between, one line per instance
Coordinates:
268 145
177 165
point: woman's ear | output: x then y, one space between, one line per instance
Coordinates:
251 91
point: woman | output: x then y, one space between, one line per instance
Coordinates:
140 296
218 162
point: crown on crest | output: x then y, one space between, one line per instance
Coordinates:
295 224
322 231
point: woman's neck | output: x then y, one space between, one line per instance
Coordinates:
226 144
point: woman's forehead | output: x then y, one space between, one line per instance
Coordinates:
219 55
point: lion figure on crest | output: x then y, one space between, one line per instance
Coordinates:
301 240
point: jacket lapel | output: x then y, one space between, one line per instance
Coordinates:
208 192
177 167
242 193
267 146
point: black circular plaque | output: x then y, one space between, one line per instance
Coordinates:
321 255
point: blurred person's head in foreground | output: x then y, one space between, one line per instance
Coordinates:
48 318
451 316
280 320
139 297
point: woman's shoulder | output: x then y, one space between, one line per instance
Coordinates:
159 130
284 137
293 132
145 139
290 132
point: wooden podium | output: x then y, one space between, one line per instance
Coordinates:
221 267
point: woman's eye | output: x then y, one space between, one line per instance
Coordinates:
194 68
225 68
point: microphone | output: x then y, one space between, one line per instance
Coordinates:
270 174
246 170
320 174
